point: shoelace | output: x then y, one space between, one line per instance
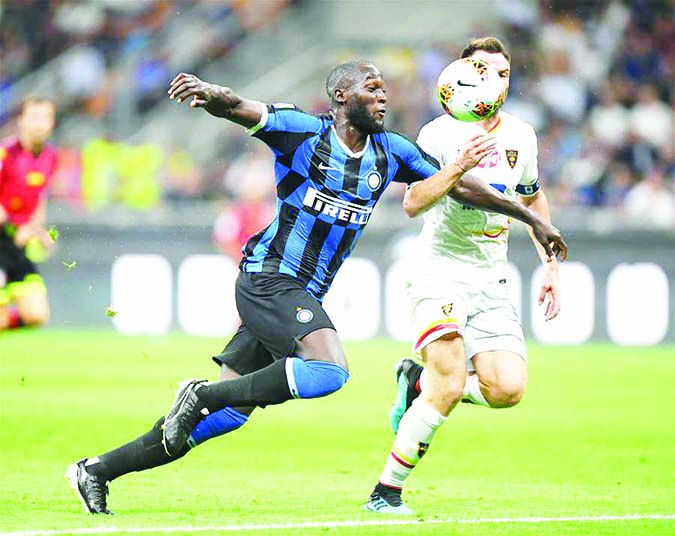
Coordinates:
393 498
194 415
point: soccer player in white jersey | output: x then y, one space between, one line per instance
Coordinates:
467 330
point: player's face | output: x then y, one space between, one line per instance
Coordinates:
366 103
500 63
36 122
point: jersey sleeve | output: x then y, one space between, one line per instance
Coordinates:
283 127
414 164
529 182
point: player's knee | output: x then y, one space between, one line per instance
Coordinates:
505 394
314 379
445 391
445 372
451 392
322 345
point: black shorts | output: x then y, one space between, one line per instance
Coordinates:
13 260
276 312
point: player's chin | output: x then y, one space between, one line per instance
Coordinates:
377 124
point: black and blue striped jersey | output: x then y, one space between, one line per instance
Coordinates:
325 193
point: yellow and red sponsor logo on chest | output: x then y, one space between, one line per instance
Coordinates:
490 161
35 178
3 153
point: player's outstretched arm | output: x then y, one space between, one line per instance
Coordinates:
425 194
475 193
219 101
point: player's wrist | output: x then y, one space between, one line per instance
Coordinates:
551 264
462 168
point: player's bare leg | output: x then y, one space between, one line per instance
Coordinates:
445 373
501 377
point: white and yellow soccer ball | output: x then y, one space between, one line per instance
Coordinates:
470 90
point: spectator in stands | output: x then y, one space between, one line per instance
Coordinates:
650 202
651 119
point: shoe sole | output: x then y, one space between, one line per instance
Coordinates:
181 391
392 512
71 478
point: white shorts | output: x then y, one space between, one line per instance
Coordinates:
481 313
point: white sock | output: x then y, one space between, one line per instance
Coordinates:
472 391
415 432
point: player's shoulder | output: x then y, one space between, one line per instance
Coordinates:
444 124
293 110
516 124
395 141
289 118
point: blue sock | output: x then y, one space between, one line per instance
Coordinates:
217 424
314 379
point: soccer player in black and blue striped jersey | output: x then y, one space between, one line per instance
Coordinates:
330 171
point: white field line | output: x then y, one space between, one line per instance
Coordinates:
336 524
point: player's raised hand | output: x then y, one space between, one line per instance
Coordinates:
214 99
475 149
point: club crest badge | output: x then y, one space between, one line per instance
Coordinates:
374 180
447 309
512 157
422 449
303 315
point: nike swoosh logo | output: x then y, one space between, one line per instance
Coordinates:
462 84
324 167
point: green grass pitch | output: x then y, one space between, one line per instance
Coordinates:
593 437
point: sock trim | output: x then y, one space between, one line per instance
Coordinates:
290 378
389 486
400 458
472 391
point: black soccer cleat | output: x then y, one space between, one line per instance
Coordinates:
91 490
386 500
184 415
408 373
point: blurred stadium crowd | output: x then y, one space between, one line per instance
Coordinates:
594 78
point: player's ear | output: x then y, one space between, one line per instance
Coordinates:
339 96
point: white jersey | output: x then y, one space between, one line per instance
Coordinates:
461 239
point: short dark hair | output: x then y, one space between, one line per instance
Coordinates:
34 99
343 76
488 44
